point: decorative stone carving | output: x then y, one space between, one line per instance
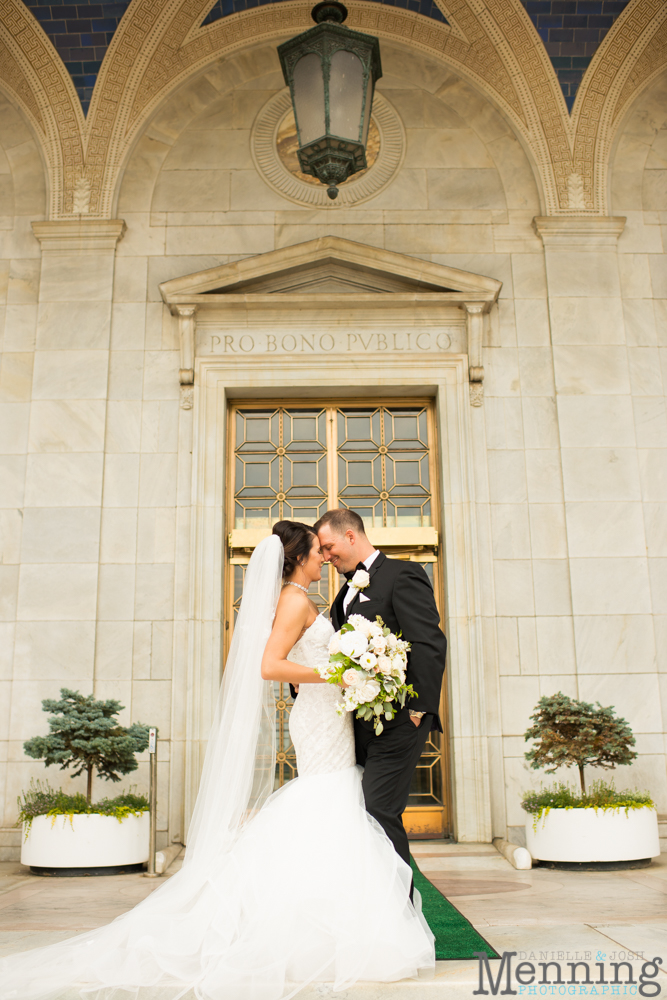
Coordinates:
475 327
81 198
476 393
575 191
186 331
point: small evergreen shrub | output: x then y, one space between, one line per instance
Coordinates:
42 800
570 732
600 796
85 733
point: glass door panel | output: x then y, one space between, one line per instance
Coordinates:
383 465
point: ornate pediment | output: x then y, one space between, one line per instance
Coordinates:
331 280
329 265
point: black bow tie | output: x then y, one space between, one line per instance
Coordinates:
360 565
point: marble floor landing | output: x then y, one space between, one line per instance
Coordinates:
542 915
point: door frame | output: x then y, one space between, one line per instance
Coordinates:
421 821
466 563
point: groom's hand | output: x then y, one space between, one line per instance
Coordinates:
414 719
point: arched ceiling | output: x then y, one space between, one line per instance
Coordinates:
494 44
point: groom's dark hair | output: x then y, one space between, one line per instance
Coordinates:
339 520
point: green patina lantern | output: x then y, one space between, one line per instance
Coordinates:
331 72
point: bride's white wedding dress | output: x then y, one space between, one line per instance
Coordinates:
311 890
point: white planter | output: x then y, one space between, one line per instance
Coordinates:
587 835
87 841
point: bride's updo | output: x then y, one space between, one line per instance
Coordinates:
297 539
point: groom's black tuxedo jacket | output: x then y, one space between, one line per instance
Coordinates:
401 593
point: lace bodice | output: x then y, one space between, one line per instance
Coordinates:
323 740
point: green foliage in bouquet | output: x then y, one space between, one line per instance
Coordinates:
85 733
571 732
42 800
600 796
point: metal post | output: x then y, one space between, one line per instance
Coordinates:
152 750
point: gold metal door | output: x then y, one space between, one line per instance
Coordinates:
296 461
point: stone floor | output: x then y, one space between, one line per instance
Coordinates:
543 915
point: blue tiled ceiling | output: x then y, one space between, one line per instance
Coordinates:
81 33
572 31
224 7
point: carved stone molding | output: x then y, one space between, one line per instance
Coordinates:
91 235
33 74
599 233
466 551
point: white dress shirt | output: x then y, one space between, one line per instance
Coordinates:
352 591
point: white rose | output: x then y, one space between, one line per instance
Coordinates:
384 664
361 624
367 661
368 692
392 641
353 678
353 644
334 644
398 661
378 644
361 579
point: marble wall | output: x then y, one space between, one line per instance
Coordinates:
573 491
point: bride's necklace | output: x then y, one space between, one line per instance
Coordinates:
291 583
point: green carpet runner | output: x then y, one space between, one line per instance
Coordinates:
455 937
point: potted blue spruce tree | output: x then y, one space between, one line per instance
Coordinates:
586 827
70 834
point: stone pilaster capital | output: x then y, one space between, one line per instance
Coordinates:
595 232
77 235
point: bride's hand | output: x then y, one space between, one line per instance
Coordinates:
296 687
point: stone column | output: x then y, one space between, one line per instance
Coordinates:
600 378
59 583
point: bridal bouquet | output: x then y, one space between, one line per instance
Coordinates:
371 660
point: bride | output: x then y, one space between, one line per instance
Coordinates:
278 889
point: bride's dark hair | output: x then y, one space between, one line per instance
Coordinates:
297 539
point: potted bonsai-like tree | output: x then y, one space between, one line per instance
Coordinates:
598 827
69 834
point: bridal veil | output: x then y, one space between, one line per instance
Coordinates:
167 939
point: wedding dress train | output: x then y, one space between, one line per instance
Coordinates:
311 890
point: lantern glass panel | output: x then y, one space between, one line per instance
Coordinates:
367 114
346 95
309 98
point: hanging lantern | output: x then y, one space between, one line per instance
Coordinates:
331 72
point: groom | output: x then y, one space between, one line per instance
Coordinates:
400 592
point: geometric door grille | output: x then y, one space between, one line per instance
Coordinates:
297 461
